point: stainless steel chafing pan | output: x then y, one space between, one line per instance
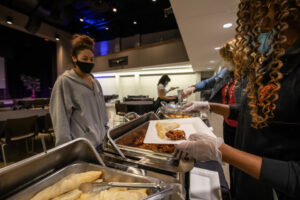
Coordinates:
23 179
131 129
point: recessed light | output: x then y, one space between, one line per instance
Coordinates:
81 19
228 25
57 37
114 10
154 0
9 20
217 48
212 61
106 28
134 22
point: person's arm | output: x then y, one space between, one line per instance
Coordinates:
281 175
221 109
246 162
58 113
162 96
210 83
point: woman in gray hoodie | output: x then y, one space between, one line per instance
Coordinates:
77 105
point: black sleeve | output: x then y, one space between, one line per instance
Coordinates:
282 176
234 111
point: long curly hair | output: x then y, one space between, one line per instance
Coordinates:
263 81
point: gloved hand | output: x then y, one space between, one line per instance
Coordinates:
187 92
202 106
202 147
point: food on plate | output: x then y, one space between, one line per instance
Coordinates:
176 135
116 194
69 183
136 139
163 127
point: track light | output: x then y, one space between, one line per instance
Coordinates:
9 20
57 37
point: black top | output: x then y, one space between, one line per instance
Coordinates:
278 144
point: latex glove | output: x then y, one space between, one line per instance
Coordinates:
187 92
202 147
202 106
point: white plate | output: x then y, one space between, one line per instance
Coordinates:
188 125
204 185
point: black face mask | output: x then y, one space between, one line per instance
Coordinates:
85 67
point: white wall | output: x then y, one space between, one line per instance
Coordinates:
139 84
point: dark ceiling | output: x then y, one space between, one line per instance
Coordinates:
99 19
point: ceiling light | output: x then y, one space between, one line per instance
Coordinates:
217 48
81 19
212 61
106 28
9 20
134 22
154 0
228 25
209 68
114 10
57 37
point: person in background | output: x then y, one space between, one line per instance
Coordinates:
77 105
225 90
266 152
162 92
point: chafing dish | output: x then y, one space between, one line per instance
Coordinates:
172 111
169 167
128 132
25 178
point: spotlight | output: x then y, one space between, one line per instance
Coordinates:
106 28
81 19
154 0
114 10
57 37
9 20
134 22
228 25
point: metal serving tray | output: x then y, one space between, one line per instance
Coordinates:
109 175
113 135
23 179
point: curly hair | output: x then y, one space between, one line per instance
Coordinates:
263 81
81 42
226 51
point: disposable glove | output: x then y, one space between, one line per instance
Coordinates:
202 147
187 92
201 106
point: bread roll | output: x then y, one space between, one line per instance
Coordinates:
72 195
67 184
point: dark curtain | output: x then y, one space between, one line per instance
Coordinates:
29 55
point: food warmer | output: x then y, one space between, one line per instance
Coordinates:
118 148
24 179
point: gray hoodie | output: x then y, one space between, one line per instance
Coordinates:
77 110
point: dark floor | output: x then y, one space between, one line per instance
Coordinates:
17 151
